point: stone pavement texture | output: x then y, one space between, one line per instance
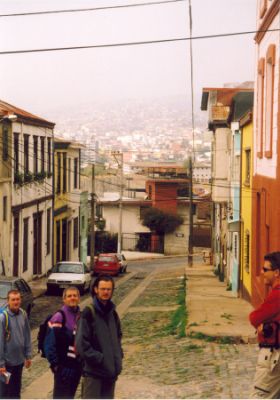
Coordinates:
213 310
157 365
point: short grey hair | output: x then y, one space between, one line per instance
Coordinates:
73 288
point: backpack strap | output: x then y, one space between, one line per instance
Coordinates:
57 324
63 317
7 325
23 312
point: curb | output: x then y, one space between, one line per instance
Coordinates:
221 338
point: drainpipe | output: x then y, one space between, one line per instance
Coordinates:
241 238
53 196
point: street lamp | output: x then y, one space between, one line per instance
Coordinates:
8 117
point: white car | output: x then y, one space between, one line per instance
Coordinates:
69 273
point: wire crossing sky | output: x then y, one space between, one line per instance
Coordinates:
143 50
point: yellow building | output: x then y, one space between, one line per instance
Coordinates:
246 125
67 204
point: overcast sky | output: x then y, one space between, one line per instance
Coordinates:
43 81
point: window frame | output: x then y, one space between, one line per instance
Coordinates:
269 99
25 244
42 142
260 107
76 232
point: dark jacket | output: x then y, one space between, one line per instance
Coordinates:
98 341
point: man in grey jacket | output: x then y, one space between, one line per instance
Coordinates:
15 346
98 342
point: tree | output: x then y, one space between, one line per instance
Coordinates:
160 222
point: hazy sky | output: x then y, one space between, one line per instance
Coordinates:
43 81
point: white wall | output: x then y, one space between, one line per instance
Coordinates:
267 166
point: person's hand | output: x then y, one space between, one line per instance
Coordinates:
260 328
2 370
27 363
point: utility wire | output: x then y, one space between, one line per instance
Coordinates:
124 44
24 14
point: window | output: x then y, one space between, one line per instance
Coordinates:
149 192
26 153
260 106
5 208
235 246
69 175
247 166
49 156
99 211
42 154
270 64
247 251
25 244
58 185
83 222
64 166
76 173
16 153
48 230
76 233
5 142
35 158
57 241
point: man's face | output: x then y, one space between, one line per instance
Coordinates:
14 302
104 291
71 298
269 275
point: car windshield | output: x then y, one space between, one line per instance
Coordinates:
106 258
68 268
4 288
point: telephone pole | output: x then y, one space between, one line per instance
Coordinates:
119 159
190 247
92 233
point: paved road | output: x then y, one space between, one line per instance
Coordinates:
158 365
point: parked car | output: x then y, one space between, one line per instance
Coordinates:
9 283
123 263
110 263
69 273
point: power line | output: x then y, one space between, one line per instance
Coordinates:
124 44
74 10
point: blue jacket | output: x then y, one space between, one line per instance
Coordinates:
17 348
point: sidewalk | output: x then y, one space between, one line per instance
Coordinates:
212 310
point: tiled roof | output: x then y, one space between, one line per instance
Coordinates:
6 109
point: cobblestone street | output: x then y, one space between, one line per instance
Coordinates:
159 363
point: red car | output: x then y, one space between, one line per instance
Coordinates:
107 264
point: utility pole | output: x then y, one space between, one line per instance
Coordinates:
92 233
190 248
119 158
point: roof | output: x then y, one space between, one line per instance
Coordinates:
150 164
242 103
224 95
23 116
61 143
